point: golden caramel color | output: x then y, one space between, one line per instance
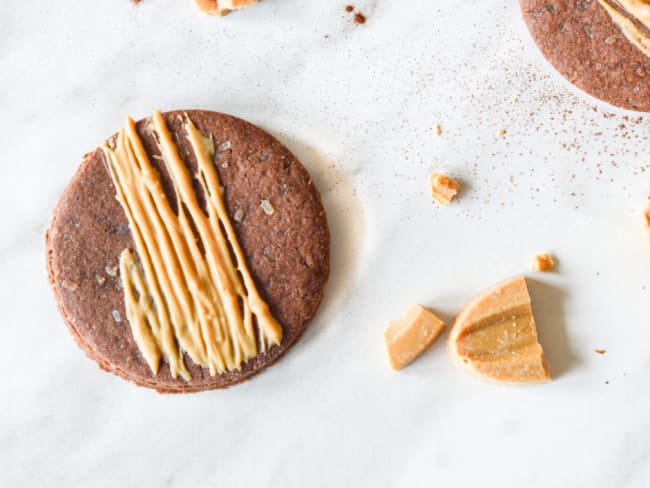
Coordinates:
443 188
222 7
189 289
494 336
410 336
632 17
543 262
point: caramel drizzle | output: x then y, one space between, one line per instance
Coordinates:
633 18
178 298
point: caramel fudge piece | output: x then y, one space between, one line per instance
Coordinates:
222 7
494 336
443 188
407 338
543 262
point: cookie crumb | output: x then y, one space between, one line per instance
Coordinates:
70 285
543 262
349 8
111 271
600 351
437 129
359 18
267 207
443 188
116 315
500 133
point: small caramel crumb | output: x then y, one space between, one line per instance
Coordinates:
222 7
600 351
349 8
443 188
500 133
359 18
543 262
70 285
267 207
409 337
437 129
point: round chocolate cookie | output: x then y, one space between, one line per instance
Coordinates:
580 39
277 216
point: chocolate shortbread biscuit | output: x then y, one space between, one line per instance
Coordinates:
582 40
276 220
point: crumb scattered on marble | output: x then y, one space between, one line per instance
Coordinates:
600 351
543 262
443 188
437 129
500 133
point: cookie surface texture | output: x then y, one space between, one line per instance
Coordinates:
583 43
277 219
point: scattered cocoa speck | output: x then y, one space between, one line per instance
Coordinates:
359 18
349 8
600 351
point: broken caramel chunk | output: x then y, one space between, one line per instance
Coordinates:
543 262
494 336
443 188
407 338
222 7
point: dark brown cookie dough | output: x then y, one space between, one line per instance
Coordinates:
287 252
581 41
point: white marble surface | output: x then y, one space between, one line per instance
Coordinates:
357 103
